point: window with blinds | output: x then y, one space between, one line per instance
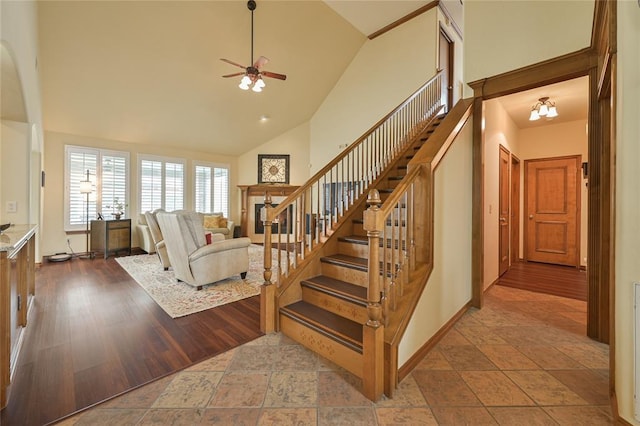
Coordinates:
109 176
162 182
212 188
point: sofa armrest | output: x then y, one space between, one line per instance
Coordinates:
219 246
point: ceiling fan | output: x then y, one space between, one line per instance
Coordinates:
252 75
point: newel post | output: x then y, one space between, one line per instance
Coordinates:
373 332
267 291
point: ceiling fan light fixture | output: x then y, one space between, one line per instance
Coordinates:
243 85
257 89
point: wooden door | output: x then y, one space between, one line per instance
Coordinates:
445 47
553 209
503 211
515 209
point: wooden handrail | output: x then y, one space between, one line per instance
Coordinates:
309 215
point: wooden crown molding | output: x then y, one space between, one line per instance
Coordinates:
404 19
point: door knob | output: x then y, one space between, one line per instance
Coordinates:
530 216
502 219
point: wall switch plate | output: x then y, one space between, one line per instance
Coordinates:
12 206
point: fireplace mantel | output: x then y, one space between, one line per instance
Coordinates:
247 191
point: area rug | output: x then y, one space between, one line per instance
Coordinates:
179 299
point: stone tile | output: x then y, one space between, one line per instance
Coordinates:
254 358
481 335
238 389
589 385
271 339
340 389
583 416
292 389
189 390
288 416
591 355
219 362
143 397
548 357
352 416
444 388
544 389
231 416
173 417
407 394
110 416
493 388
506 357
295 357
467 358
453 338
434 360
405 416
519 416
463 416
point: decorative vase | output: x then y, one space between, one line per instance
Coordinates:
117 215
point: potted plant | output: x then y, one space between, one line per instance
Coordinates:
117 208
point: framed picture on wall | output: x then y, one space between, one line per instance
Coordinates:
273 168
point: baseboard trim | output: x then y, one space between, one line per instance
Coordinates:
408 366
614 411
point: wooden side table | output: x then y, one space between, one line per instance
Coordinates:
111 236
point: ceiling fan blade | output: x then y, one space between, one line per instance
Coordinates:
234 75
262 61
273 75
233 63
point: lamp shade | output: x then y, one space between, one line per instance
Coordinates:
85 187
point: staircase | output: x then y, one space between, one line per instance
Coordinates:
332 311
356 250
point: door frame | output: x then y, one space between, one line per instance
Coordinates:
450 60
601 116
507 176
515 209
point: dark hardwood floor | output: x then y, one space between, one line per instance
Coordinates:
94 333
564 281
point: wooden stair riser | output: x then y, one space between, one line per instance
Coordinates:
338 306
334 351
362 250
353 276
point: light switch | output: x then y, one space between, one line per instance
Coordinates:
12 206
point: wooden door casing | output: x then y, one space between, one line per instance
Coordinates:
515 209
503 211
552 232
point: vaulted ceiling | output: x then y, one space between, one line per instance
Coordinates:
150 72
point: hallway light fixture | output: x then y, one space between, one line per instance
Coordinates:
543 108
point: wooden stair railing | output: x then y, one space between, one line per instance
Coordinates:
305 219
407 238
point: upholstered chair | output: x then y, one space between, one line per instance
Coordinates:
158 239
193 260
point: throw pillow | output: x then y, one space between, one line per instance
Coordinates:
211 222
207 236
222 223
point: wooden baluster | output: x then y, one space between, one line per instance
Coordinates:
373 330
268 309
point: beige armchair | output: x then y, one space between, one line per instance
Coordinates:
158 239
195 262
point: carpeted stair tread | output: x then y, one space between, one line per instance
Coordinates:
346 261
355 293
334 326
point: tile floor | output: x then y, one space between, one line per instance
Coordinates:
523 359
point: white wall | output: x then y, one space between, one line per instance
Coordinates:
19 34
556 140
14 157
502 36
449 287
295 142
499 129
627 203
54 235
385 72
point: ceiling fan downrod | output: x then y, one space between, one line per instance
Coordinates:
251 5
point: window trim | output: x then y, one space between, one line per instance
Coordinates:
163 160
212 166
96 179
